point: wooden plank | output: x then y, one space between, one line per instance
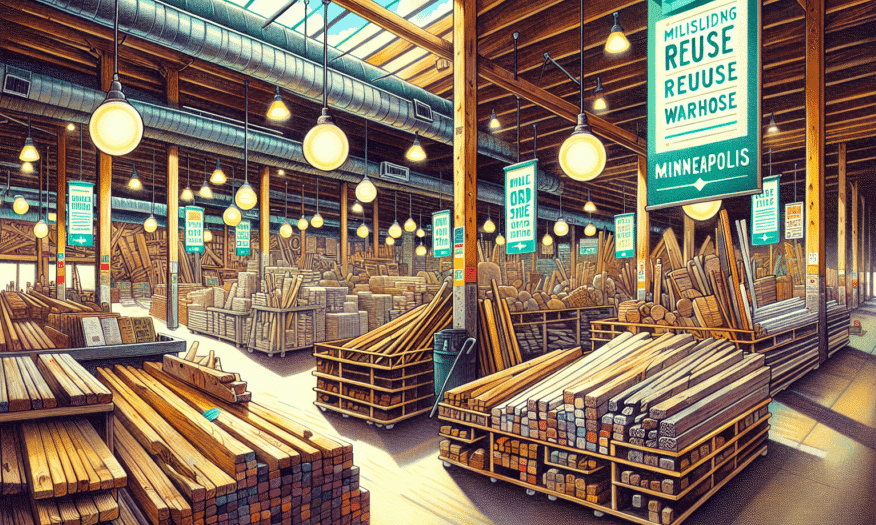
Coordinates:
149 487
107 507
102 452
63 475
87 510
83 465
87 454
16 390
12 469
67 511
71 366
62 386
39 477
77 475
27 366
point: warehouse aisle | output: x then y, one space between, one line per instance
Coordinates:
820 470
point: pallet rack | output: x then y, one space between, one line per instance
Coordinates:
395 387
578 320
280 315
237 319
732 447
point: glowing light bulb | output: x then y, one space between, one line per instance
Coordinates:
41 229
395 230
365 190
326 146
410 225
547 240
20 206
150 224
208 236
561 228
421 250
500 239
231 216
286 230
421 232
357 208
317 221
702 211
489 226
187 195
302 223
218 177
590 230
362 231
246 197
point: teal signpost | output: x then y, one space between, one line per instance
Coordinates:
625 235
441 233
80 213
590 246
520 208
241 238
704 118
765 214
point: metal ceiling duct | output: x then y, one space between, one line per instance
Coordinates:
222 33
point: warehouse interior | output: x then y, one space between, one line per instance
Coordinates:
334 262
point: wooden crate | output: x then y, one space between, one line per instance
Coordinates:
380 389
732 447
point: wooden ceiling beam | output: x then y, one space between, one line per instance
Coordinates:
498 19
442 28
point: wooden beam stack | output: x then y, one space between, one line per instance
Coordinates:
255 463
53 380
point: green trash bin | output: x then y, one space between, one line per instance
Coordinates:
447 344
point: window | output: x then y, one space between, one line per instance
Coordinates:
17 274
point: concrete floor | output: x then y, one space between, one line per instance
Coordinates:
820 469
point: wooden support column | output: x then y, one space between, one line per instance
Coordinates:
465 142
61 222
375 232
573 253
225 248
265 221
41 273
643 231
345 231
688 246
815 201
103 251
853 291
841 228
172 247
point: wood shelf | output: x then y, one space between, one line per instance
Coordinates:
467 441
8 417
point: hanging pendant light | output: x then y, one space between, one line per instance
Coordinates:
617 41
702 211
187 195
286 228
395 231
390 241
205 190
134 182
589 207
420 231
41 229
218 177
416 153
357 207
26 168
208 236
278 112
599 103
547 240
232 216
20 206
582 155
561 227
326 146
590 229
302 222
421 250
246 197
362 230
317 221
116 127
71 127
500 239
410 224
365 190
772 127
29 152
495 125
150 224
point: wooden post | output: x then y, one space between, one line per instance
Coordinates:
841 228
465 137
689 228
345 231
172 88
265 221
643 231
573 252
61 222
104 205
375 227
815 202
225 248
41 273
854 280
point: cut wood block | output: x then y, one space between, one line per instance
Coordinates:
204 378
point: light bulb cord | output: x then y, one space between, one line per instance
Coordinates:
116 43
152 208
246 131
325 4
317 195
286 203
581 58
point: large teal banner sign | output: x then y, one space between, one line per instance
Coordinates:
80 213
241 238
765 213
441 233
704 119
520 208
625 235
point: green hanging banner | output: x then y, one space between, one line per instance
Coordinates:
520 207
704 85
241 238
80 213
194 229
441 233
625 235
765 214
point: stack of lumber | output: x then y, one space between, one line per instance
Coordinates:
498 348
21 319
204 372
255 463
13 477
471 455
159 300
278 291
69 471
838 321
568 399
412 331
53 380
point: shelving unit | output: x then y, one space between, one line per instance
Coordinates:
574 321
237 319
277 315
383 390
731 448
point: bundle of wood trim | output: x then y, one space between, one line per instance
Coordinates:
412 331
498 348
50 381
567 399
254 463
19 329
